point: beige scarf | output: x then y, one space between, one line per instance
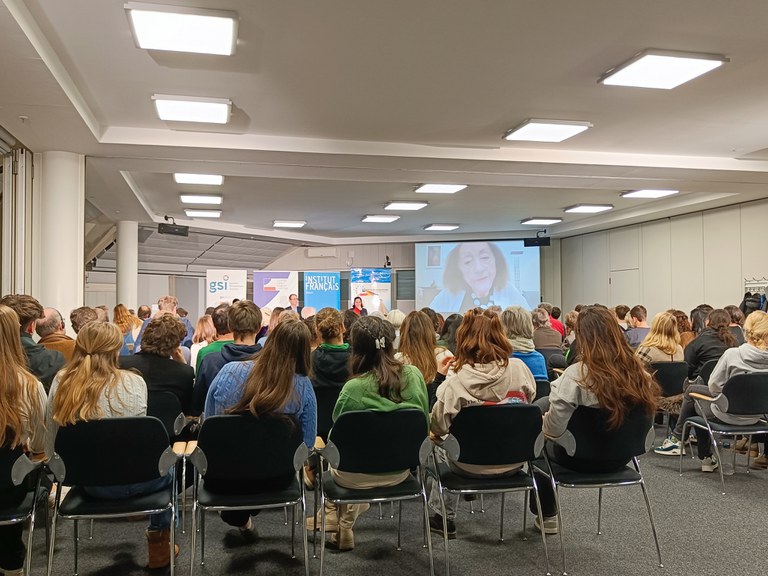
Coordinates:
520 344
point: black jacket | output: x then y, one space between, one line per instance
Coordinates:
330 367
42 362
706 346
212 364
163 374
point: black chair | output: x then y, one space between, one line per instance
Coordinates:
326 401
243 452
16 470
548 353
370 442
743 395
110 452
588 444
474 439
543 388
706 371
670 377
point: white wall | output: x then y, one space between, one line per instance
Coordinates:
678 262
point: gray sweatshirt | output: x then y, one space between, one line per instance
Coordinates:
744 359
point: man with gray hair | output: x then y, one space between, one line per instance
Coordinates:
52 332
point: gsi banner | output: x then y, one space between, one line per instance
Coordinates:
224 286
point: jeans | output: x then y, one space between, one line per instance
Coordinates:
689 409
160 521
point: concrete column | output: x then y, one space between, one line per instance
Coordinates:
128 263
60 180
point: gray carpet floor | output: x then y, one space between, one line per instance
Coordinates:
702 532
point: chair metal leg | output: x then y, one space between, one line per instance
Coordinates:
303 519
559 520
76 538
719 460
30 536
285 516
599 510
52 541
391 509
541 522
526 495
501 516
426 529
314 516
293 531
482 504
172 543
653 524
445 528
202 537
381 512
471 507
183 494
90 534
399 522
193 537
322 531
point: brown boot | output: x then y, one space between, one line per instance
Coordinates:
159 548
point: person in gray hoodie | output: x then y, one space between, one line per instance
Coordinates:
482 373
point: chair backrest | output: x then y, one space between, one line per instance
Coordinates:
112 451
166 407
706 370
498 434
543 389
670 376
371 442
8 457
588 438
745 394
244 447
326 401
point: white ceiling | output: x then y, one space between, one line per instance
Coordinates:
343 105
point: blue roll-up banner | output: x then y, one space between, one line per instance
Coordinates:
322 290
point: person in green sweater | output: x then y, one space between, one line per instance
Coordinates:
379 382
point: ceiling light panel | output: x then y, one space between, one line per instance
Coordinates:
289 223
441 227
648 193
202 213
182 29
192 109
200 199
405 205
588 208
380 218
203 179
661 69
541 221
540 130
440 188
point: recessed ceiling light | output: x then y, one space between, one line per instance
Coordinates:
206 179
405 205
182 29
289 223
648 193
539 130
541 221
664 69
440 188
192 109
588 208
380 218
202 213
441 227
200 199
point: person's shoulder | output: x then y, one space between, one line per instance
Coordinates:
411 373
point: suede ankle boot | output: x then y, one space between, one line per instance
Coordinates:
158 548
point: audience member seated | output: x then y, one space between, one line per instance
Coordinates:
751 356
483 372
519 330
683 327
168 305
274 320
92 387
244 321
130 326
699 318
638 317
396 317
223 335
381 383
570 328
662 344
736 324
42 362
544 336
554 323
330 360
349 318
609 376
418 348
711 344
275 382
144 312
53 333
79 317
205 333
447 337
160 363
22 422
102 313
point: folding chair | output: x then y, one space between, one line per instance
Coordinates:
242 452
17 472
589 444
743 395
670 377
475 439
111 452
371 442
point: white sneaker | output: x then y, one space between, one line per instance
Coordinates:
670 447
550 524
709 464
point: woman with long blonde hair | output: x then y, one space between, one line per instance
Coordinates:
22 422
205 333
662 344
91 387
129 325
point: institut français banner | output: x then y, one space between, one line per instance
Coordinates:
223 286
322 289
373 285
272 288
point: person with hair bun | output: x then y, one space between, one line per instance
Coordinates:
382 383
91 387
482 373
330 360
22 422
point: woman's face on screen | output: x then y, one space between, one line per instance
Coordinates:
478 267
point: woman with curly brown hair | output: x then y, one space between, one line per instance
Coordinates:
609 376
